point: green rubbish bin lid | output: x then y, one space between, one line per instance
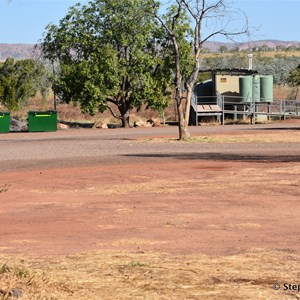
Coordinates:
4 113
40 113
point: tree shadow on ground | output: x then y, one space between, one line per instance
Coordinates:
276 128
221 157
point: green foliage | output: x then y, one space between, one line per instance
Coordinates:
294 77
184 35
279 67
228 61
107 52
21 80
223 49
203 76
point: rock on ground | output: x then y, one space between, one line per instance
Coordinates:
17 125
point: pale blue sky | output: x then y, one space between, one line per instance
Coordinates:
24 21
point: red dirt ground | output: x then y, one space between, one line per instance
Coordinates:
83 190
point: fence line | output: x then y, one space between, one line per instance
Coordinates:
222 105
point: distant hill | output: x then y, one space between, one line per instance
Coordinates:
17 51
271 44
22 51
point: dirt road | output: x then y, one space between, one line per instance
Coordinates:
233 189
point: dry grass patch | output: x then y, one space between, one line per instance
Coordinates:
120 275
244 138
20 279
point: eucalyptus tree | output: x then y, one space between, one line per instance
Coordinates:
207 19
109 57
20 80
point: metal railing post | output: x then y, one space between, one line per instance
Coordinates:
223 108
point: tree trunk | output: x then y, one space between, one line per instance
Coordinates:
125 120
124 108
184 135
190 83
182 121
189 92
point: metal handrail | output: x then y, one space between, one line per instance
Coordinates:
280 108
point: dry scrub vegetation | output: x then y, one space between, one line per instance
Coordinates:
72 113
108 275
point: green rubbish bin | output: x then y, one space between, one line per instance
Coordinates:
42 121
4 121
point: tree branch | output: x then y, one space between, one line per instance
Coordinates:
161 21
111 100
112 112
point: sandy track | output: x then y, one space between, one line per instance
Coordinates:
82 190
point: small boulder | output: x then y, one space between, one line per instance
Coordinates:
139 124
16 125
62 126
154 122
100 125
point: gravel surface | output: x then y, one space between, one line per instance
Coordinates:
86 146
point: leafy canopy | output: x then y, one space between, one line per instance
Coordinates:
21 80
107 52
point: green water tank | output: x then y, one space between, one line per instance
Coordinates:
256 88
204 91
245 85
266 88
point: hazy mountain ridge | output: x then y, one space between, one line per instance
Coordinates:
16 51
22 51
272 44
